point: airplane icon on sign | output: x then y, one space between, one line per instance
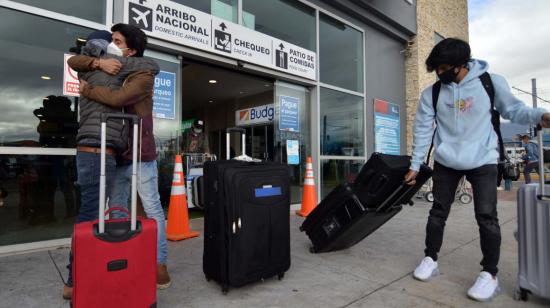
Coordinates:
141 16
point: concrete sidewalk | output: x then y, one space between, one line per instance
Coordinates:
374 273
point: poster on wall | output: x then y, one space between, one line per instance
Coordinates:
70 78
387 127
179 24
293 152
164 96
289 113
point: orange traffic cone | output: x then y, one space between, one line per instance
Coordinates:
177 228
309 195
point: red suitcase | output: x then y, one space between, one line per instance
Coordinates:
115 260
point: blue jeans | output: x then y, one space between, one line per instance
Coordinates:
88 170
149 195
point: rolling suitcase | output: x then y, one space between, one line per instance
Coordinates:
342 220
115 260
380 177
246 221
534 236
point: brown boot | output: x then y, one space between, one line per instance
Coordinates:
163 279
67 292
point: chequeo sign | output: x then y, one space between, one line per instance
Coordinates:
180 24
255 115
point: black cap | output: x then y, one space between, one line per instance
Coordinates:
198 124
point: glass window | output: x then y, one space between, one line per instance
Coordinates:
166 131
335 172
287 20
86 9
34 111
341 54
40 198
226 9
342 118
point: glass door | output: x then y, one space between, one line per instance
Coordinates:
291 131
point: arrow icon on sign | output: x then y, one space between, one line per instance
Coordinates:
223 26
281 46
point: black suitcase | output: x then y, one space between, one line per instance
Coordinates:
247 227
380 177
341 220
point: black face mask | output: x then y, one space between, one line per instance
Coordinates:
448 76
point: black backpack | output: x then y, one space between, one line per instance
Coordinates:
495 119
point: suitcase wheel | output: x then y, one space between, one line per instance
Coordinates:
301 229
225 289
207 278
281 276
521 294
311 249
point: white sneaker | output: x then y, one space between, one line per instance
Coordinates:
426 270
485 288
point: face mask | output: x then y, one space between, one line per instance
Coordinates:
114 50
448 76
198 130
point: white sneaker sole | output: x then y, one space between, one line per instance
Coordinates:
434 273
484 300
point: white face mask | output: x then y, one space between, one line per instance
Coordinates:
114 50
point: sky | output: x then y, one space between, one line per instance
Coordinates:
514 37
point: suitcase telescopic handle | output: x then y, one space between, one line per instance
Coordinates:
105 116
228 132
540 140
102 178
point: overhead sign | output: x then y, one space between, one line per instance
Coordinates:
164 96
387 127
70 78
180 24
255 115
289 113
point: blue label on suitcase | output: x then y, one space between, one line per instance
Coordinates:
268 191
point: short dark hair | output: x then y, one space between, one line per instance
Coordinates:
452 51
135 38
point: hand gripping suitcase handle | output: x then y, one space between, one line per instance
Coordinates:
102 178
228 132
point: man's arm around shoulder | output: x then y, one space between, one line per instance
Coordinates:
138 87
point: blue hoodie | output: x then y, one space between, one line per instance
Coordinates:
465 138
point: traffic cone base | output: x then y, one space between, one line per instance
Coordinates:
309 195
190 234
177 228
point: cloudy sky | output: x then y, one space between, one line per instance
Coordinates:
514 37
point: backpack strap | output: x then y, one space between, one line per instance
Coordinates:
495 115
436 88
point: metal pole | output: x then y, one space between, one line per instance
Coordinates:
534 91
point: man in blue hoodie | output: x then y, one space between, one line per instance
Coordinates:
531 157
465 145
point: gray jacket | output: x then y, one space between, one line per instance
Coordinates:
89 132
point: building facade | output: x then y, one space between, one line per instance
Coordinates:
436 20
319 78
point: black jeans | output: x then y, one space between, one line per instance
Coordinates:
483 180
